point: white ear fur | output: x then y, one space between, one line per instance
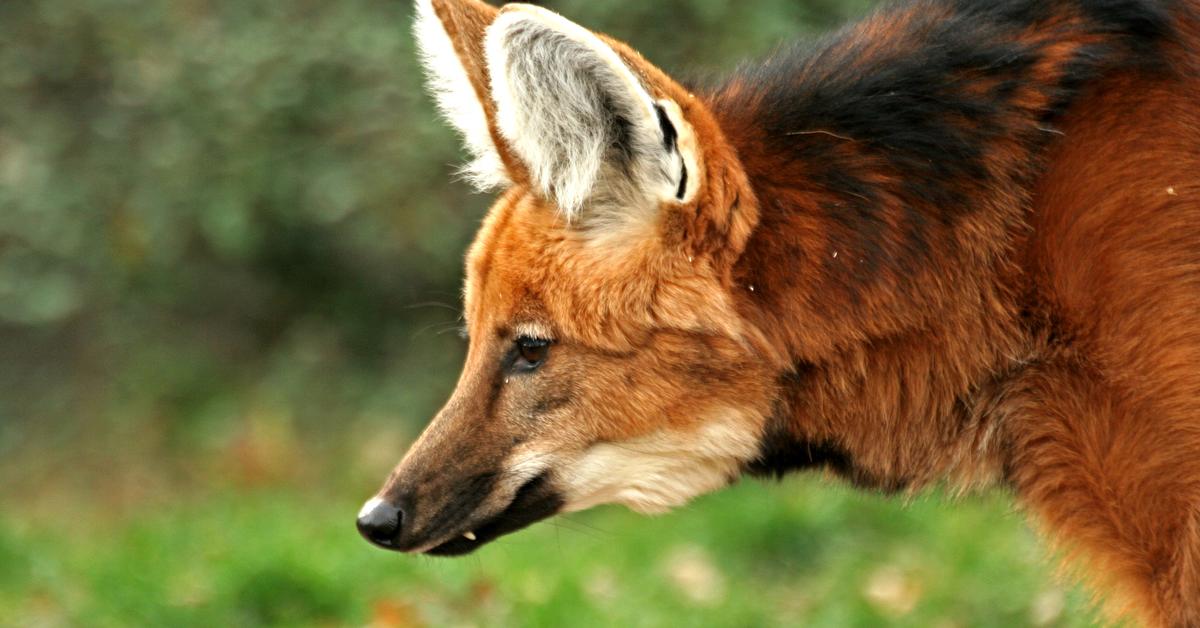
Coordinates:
456 98
579 118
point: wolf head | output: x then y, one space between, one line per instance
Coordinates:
608 361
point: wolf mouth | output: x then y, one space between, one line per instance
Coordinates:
534 501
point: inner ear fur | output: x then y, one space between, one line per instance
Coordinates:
584 122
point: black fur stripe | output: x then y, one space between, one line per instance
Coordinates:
670 143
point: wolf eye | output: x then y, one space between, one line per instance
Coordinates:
532 351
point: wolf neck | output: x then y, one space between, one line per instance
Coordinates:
893 165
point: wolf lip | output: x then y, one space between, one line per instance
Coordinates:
534 501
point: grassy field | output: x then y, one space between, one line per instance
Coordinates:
801 552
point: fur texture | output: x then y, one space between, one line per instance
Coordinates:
578 117
657 472
457 98
958 240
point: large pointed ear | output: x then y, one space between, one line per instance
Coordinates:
450 35
592 133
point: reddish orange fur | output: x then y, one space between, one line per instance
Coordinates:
1105 449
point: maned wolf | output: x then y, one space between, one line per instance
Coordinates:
959 240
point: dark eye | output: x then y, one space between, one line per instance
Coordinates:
532 351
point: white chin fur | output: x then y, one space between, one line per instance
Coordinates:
663 470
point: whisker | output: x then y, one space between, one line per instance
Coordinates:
430 326
445 306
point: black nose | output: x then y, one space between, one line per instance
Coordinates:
379 522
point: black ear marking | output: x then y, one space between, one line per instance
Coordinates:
670 135
670 139
682 182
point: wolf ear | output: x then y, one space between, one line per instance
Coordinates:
449 35
582 122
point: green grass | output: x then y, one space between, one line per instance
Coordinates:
798 553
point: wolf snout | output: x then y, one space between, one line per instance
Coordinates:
380 521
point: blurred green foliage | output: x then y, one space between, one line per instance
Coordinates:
230 254
207 205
